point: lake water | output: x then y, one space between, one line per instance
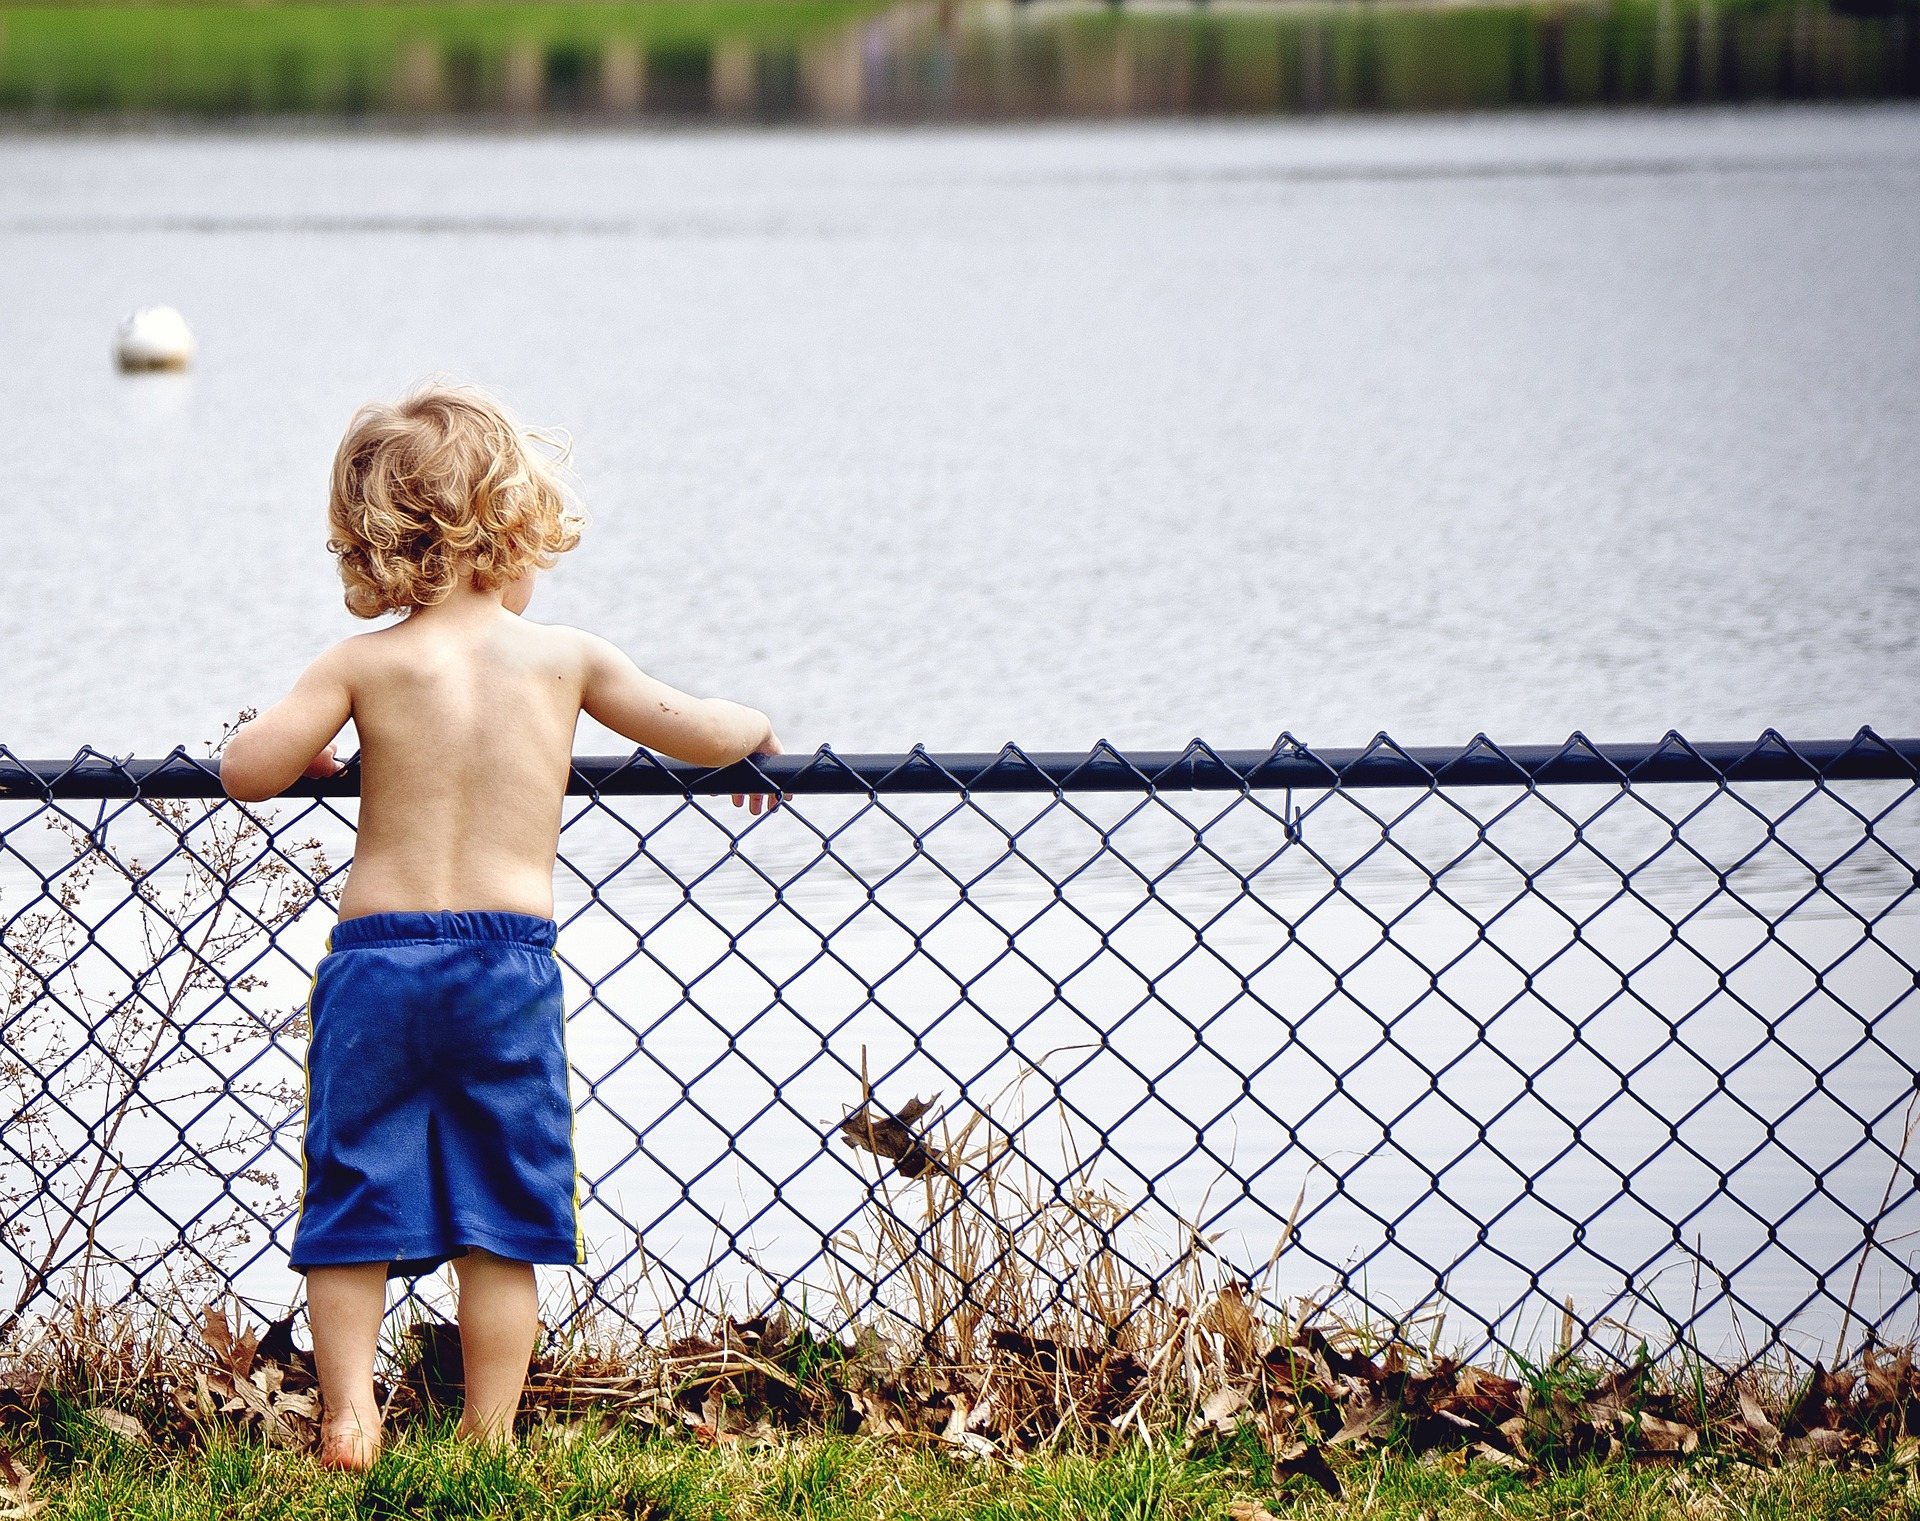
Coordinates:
1514 424
962 436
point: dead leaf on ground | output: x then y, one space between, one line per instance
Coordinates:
276 1343
17 1502
1661 1435
977 1447
1515 1433
16 1489
1758 1426
306 1406
1810 1410
1615 1398
1488 1395
1308 1462
1220 1415
1366 1421
1249 1510
120 1424
879 1416
234 1353
1821 1442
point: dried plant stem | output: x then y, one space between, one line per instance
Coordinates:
1912 1122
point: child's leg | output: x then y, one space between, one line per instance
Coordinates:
345 1306
499 1321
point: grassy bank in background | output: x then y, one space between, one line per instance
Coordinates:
852 60
90 1473
221 60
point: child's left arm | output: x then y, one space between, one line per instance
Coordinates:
293 738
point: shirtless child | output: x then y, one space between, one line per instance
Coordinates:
438 1121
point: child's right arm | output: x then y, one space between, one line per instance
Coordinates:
705 731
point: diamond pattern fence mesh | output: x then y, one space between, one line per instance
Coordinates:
1479 1034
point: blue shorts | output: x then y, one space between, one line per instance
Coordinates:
438 1117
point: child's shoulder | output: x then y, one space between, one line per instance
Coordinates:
411 648
582 642
360 659
358 651
577 647
556 641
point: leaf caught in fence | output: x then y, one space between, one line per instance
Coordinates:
890 1136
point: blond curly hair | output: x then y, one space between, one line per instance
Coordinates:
439 484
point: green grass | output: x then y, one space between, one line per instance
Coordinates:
636 1473
216 59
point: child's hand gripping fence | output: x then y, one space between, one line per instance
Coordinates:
1483 1032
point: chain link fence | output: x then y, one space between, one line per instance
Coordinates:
1464 1041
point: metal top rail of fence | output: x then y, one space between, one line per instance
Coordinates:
1481 1032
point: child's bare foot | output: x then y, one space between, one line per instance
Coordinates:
347 1444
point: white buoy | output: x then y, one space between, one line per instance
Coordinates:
153 338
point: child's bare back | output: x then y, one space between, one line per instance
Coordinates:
466 717
466 714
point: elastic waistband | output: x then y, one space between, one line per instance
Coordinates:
488 926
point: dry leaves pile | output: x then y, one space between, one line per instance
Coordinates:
258 1382
1311 1396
